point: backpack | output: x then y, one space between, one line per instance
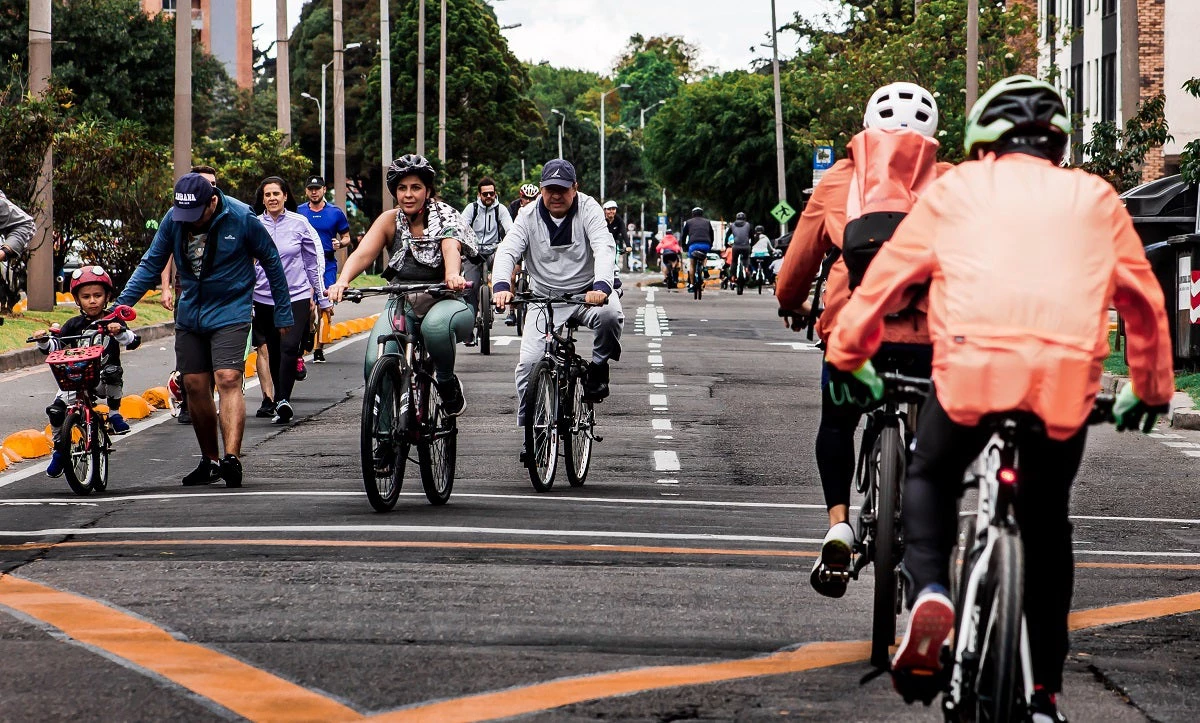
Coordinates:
890 169
495 210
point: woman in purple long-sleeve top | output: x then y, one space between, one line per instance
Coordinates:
304 268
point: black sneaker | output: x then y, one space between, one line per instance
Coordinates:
318 356
266 410
595 385
231 471
510 320
1043 708
207 472
283 412
451 393
184 417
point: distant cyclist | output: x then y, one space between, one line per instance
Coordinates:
740 238
1024 258
762 252
529 193
697 238
490 221
670 252
616 226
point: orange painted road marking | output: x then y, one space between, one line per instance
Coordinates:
557 693
393 544
243 689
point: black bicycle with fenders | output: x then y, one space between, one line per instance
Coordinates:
558 420
402 409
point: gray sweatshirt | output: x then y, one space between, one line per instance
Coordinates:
586 264
16 228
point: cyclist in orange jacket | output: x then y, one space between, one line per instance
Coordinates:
891 159
1024 259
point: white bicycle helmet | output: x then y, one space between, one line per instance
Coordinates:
902 105
529 190
610 204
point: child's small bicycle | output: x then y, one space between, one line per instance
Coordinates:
84 441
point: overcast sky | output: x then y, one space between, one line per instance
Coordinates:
589 34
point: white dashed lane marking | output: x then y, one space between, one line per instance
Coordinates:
666 461
658 400
661 424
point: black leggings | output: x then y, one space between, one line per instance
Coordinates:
943 452
835 431
283 351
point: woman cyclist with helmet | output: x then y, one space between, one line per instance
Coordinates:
529 193
1025 258
427 240
93 290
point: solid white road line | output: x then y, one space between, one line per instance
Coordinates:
666 461
410 529
38 468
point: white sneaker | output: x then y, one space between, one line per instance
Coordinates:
830 572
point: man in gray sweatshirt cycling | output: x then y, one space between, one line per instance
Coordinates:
568 249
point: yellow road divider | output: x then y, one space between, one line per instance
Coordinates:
28 443
157 397
251 364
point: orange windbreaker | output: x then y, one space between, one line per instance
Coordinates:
1025 259
884 171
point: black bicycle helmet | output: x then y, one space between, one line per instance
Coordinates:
741 216
759 229
411 165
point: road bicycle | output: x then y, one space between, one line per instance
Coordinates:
485 314
556 414
740 275
698 273
520 286
402 409
759 276
989 671
85 437
882 461
671 275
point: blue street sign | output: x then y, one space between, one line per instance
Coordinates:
822 158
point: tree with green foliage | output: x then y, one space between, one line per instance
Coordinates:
1116 154
716 142
243 161
683 55
841 62
34 120
559 88
1189 159
651 77
117 61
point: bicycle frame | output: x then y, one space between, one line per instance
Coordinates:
415 358
560 351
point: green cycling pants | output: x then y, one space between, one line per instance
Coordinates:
448 322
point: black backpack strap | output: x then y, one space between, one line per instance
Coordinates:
831 257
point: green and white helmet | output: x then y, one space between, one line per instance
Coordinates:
1019 101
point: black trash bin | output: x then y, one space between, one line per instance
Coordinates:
1162 209
1173 261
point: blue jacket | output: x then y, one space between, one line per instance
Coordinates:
222 295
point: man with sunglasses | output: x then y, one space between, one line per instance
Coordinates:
491 222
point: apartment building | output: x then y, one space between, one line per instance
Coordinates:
1109 55
224 28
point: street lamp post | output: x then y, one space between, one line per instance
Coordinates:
642 224
385 101
559 113
320 112
779 165
622 86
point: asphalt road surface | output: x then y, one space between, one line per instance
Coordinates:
672 586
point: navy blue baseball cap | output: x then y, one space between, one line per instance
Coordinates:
192 194
558 172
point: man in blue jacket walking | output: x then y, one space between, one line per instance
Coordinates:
214 240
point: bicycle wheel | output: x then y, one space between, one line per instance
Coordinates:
577 439
698 276
740 275
998 686
102 446
383 449
485 318
541 426
437 451
77 452
887 543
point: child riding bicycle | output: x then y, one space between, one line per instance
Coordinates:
93 290
1025 258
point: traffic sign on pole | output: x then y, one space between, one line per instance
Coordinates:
782 212
822 160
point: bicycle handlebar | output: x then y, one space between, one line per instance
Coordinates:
530 298
119 313
357 295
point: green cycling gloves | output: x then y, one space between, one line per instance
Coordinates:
1130 412
861 387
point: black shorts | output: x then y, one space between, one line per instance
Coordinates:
670 256
200 352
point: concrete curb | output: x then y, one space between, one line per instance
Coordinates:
11 360
1183 413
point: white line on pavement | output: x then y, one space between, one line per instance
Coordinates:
662 424
154 421
654 359
666 461
655 378
658 400
412 529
